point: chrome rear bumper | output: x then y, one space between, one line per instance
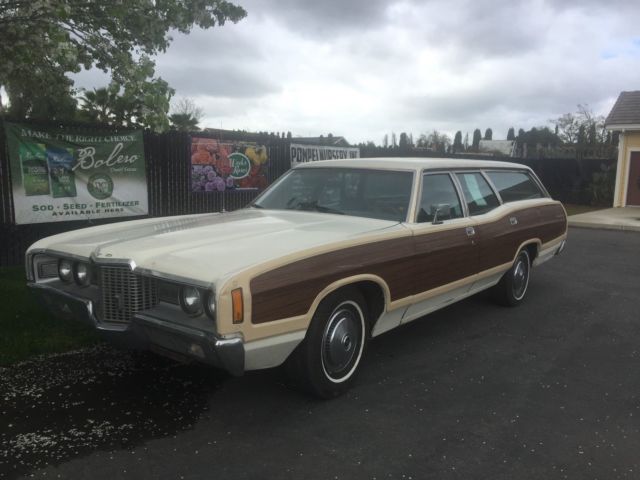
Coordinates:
146 332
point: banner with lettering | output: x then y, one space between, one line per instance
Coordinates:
310 153
59 175
219 166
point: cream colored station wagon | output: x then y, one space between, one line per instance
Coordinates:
331 254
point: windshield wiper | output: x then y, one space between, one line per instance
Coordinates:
323 209
310 206
255 205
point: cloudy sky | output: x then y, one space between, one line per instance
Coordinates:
363 68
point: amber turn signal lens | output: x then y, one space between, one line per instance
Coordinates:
238 305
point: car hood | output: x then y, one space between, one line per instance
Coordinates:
209 247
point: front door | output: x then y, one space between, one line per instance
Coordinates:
446 252
633 187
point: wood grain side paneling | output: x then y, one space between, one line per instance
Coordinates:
500 240
409 265
290 290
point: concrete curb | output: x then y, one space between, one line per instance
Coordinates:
603 226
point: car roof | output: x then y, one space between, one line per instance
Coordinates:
400 163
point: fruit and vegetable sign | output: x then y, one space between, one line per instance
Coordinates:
222 166
58 175
311 153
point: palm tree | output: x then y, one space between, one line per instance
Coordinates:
100 105
186 115
185 122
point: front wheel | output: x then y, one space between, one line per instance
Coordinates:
511 289
327 361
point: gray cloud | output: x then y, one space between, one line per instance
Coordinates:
227 42
321 18
216 80
221 62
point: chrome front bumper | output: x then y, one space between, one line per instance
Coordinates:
146 332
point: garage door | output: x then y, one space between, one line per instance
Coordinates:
633 189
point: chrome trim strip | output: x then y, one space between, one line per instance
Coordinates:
174 278
456 186
463 201
106 261
56 253
492 186
112 261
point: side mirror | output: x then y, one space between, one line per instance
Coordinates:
441 210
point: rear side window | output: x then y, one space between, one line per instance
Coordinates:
514 186
477 192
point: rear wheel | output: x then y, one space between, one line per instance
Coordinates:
513 285
327 361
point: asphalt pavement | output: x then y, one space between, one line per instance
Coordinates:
550 389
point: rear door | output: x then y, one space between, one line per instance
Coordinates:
481 200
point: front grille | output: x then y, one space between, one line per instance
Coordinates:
124 293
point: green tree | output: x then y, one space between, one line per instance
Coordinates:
511 134
100 105
143 101
43 41
477 136
488 134
186 116
581 127
403 143
435 140
34 97
542 136
457 142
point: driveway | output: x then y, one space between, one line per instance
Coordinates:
550 389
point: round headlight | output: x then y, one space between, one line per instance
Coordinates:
191 300
82 274
65 270
210 305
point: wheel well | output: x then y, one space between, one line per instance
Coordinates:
532 249
374 297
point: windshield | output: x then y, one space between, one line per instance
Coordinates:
378 194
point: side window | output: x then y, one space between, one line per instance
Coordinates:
438 194
513 186
478 194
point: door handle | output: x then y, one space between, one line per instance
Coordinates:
513 221
470 231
